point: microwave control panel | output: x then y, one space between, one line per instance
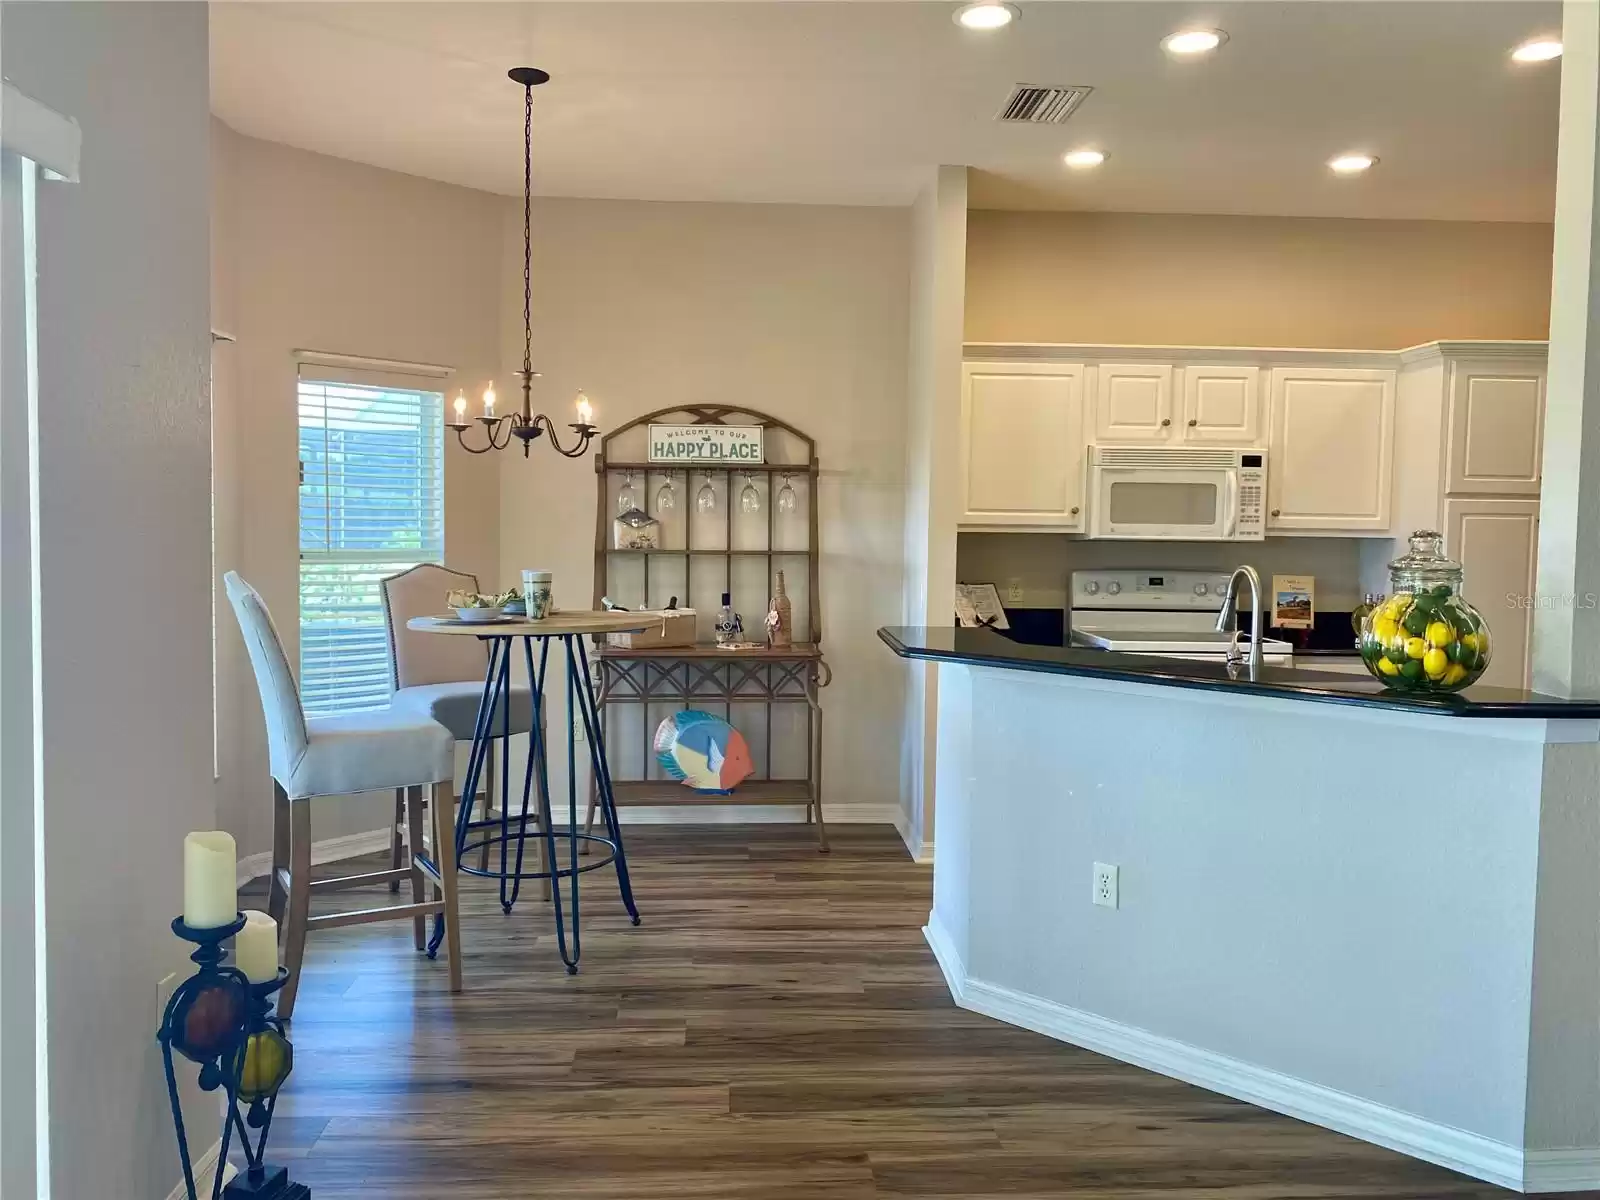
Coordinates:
1252 479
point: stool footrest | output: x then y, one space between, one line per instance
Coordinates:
365 916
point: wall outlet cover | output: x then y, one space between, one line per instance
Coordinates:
1105 885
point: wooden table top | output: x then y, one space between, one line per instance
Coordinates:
555 625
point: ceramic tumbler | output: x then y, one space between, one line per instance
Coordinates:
536 591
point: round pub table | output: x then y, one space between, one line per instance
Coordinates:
509 831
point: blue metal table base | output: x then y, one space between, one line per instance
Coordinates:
510 832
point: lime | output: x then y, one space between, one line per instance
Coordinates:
1425 602
1412 669
1371 649
1416 621
1385 667
1459 652
1435 663
1441 590
1395 653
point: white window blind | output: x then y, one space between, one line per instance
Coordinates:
371 504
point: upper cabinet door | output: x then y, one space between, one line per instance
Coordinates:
1133 403
1022 446
1330 449
1497 544
1222 404
1496 428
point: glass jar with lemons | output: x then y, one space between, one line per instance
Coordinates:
1425 637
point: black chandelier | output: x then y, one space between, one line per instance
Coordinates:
525 424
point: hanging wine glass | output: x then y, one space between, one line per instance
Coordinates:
625 501
706 498
749 498
787 500
666 496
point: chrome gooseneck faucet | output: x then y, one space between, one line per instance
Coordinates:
1226 619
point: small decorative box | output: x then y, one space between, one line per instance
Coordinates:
676 629
635 530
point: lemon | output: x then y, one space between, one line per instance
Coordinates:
1440 634
1435 663
1416 647
1385 667
1398 602
1384 629
1454 675
1471 641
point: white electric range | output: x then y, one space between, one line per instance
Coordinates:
1171 613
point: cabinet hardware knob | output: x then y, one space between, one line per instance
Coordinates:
1074 510
1277 512
1165 421
1193 421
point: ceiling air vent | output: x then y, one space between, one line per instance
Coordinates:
1032 105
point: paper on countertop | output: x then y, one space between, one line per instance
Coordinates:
978 605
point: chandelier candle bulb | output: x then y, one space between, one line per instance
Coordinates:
488 400
585 410
461 406
255 947
210 879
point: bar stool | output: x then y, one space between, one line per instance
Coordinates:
442 678
316 757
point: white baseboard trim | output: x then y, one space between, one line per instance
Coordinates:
1561 1170
204 1174
256 866
921 851
1470 1153
336 849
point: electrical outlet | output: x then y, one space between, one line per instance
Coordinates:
1013 591
577 728
1105 885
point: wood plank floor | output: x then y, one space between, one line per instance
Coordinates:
776 1030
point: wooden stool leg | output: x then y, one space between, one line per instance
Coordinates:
277 893
419 887
294 940
396 847
444 856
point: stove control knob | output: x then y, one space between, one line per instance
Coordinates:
1114 588
1200 589
1091 588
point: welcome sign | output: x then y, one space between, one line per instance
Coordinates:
722 444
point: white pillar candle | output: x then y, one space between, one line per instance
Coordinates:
210 880
255 947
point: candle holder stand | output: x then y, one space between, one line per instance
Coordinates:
222 1022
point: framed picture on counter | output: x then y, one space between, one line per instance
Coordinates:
1293 601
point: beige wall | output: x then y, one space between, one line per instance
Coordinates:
1252 281
330 255
798 311
795 311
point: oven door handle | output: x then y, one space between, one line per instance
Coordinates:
1230 525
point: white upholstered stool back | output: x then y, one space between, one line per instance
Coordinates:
422 658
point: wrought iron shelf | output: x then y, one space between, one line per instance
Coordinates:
634 680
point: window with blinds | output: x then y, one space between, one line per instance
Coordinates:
371 504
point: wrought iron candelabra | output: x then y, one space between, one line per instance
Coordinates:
220 1020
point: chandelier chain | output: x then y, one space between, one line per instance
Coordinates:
527 240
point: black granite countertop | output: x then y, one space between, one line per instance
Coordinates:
986 648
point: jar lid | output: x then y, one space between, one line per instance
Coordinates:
1426 554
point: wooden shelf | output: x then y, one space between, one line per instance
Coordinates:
795 653
751 791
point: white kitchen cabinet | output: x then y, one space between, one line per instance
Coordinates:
1023 447
1497 544
1495 427
1133 402
1330 449
1221 405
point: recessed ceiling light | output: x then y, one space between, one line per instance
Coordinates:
985 14
1188 43
1538 50
1351 164
1079 160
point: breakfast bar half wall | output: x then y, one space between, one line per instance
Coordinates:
1370 911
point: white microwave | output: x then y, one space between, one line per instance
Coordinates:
1177 493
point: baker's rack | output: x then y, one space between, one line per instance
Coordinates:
701 555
